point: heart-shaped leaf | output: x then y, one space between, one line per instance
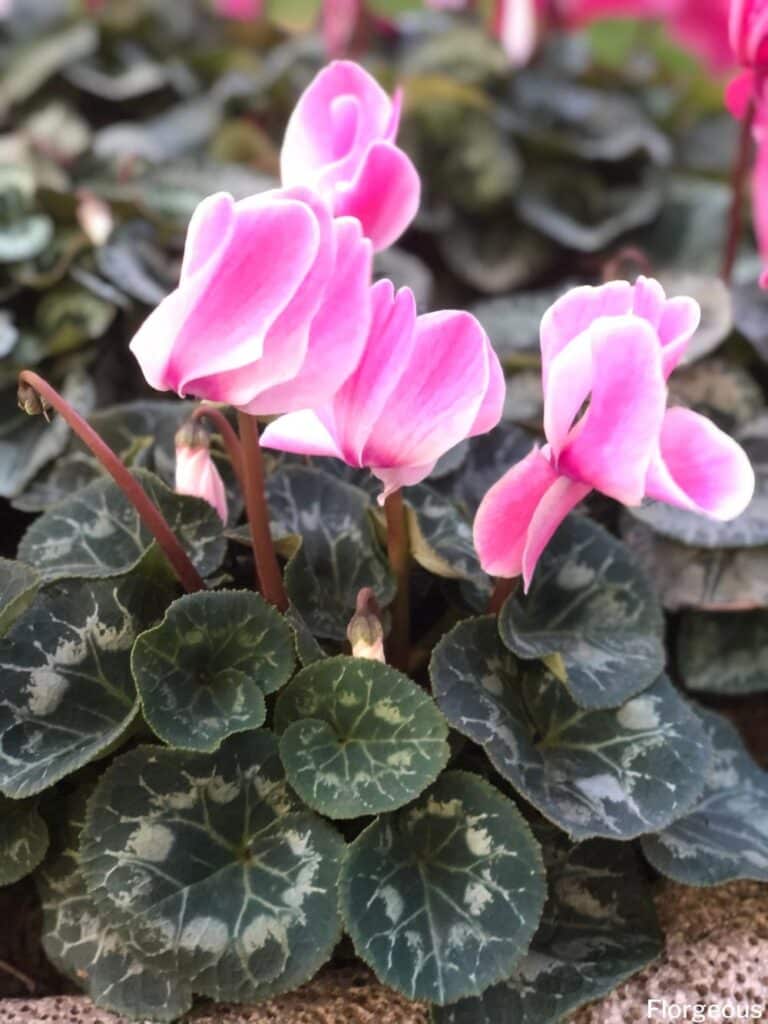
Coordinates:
590 604
725 835
441 538
202 673
442 898
725 654
66 691
339 553
18 585
598 928
23 839
97 532
617 773
358 737
78 939
209 864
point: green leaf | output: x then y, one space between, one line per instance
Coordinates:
590 604
495 255
725 836
23 839
203 672
726 654
66 692
97 532
616 774
34 63
441 538
209 865
690 228
598 928
18 585
25 237
339 554
80 942
358 737
69 316
442 898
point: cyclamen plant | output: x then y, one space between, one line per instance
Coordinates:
464 786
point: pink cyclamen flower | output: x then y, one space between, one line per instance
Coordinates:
423 384
272 309
239 10
748 32
514 24
196 472
340 141
614 346
340 19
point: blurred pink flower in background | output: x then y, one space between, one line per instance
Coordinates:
614 346
239 10
515 26
340 141
272 308
196 472
340 19
423 384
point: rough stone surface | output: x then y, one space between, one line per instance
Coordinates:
717 951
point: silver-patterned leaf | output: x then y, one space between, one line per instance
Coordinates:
79 940
23 839
725 836
358 737
489 457
339 553
598 928
443 897
613 773
202 673
726 654
66 691
211 866
441 538
590 604
18 585
97 532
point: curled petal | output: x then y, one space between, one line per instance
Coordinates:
679 322
611 447
567 386
396 477
700 468
384 195
302 433
556 503
505 514
492 405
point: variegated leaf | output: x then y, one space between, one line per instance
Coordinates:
23 839
725 653
614 773
18 585
358 737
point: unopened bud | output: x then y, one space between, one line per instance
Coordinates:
365 631
192 435
30 401
196 472
95 218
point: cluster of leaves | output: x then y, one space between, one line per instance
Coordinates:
207 792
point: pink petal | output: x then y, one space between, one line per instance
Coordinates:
567 385
679 322
197 474
556 503
611 447
739 93
515 26
209 231
760 201
337 334
400 476
575 312
700 468
359 403
492 406
648 300
384 194
302 433
505 514
340 19
438 396
240 10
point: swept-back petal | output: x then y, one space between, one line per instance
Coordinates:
506 512
555 504
492 405
384 194
611 447
575 312
566 388
679 322
700 468
302 433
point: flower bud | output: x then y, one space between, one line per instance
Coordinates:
365 631
196 472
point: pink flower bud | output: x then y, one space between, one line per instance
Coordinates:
272 308
423 384
613 348
196 472
340 141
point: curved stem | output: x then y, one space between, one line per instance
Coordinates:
501 591
228 435
148 512
268 576
738 188
398 550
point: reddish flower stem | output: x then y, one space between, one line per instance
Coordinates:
268 576
148 512
738 189
228 435
398 550
501 591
